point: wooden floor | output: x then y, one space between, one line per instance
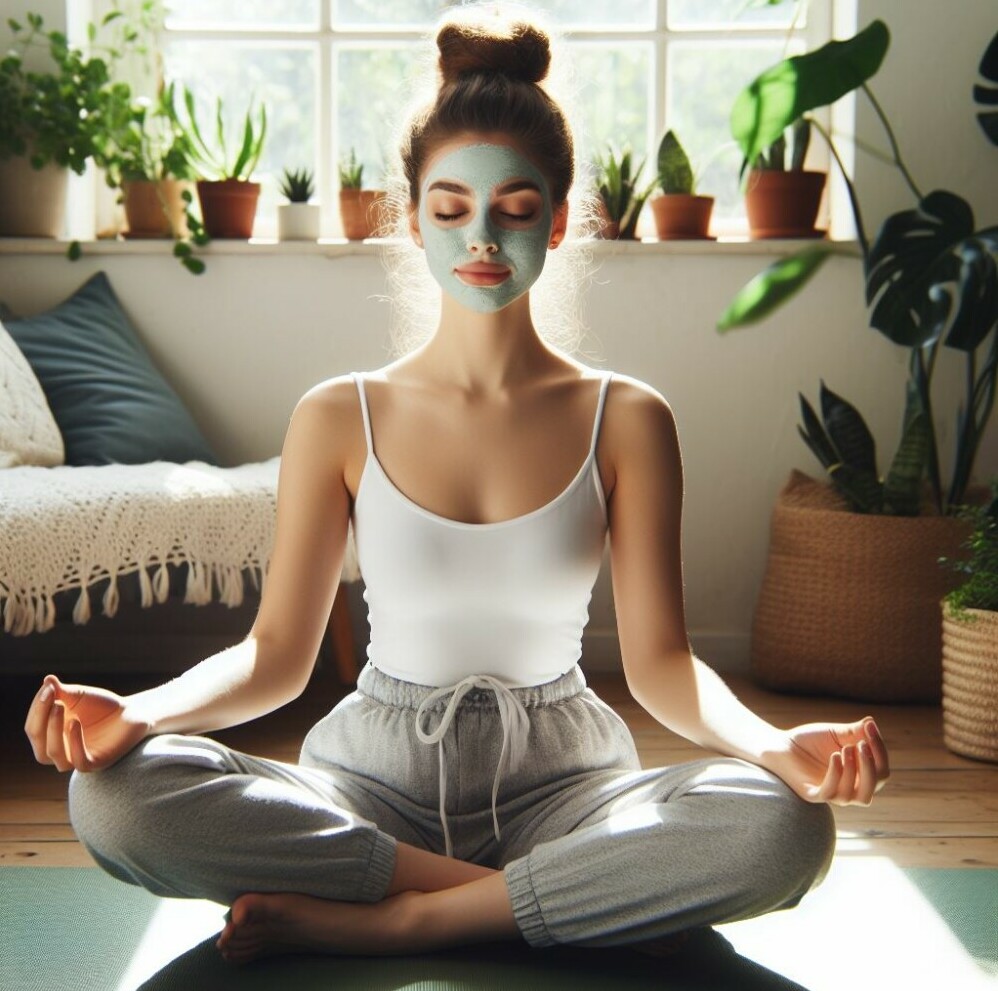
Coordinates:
938 810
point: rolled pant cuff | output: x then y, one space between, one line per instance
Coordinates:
380 868
526 908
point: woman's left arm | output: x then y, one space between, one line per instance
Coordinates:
840 763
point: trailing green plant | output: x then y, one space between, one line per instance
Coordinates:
351 171
297 186
930 274
58 114
979 589
617 185
675 172
219 158
197 236
774 158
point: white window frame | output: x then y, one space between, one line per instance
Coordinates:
826 19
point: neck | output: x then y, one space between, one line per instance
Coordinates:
486 353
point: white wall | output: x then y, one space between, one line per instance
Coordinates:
243 342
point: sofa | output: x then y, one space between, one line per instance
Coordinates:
124 544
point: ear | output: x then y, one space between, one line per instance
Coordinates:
414 224
559 224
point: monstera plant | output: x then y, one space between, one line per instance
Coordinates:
930 279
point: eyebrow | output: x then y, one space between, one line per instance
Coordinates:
455 187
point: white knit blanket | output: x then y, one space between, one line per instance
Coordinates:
68 527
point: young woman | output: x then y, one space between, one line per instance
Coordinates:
472 788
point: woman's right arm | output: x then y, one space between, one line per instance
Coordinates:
88 728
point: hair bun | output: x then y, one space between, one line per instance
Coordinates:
522 51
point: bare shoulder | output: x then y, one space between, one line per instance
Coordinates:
637 417
326 427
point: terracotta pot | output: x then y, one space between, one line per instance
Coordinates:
970 683
32 201
783 204
849 603
361 212
228 207
298 222
155 208
679 216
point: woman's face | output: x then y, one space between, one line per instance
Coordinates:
485 220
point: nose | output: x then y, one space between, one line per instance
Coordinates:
482 246
481 237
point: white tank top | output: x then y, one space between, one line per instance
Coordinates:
447 599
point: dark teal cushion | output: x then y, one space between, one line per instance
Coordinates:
109 400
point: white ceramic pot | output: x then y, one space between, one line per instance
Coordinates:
32 201
298 222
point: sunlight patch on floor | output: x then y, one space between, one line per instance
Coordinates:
177 925
847 933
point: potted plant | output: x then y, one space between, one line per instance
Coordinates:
782 201
147 156
359 207
227 196
620 198
298 220
51 121
849 605
679 213
970 640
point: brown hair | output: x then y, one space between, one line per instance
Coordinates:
489 82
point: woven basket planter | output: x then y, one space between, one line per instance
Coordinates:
970 684
849 604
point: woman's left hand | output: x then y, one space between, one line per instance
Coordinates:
838 763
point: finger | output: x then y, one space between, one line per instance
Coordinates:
55 740
833 777
36 723
78 752
879 750
867 777
847 786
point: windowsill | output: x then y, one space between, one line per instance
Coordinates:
341 248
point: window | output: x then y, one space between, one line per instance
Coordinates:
336 74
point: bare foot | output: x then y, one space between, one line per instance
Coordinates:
266 924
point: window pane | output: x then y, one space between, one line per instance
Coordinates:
703 80
613 99
261 14
721 14
369 106
634 14
283 77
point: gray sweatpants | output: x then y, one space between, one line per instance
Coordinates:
595 851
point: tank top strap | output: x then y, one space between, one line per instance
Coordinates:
599 410
358 378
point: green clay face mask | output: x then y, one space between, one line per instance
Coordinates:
513 250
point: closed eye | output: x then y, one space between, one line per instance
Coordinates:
516 216
448 216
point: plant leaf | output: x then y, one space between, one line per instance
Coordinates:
912 254
902 486
772 287
976 297
848 432
863 490
781 94
987 96
675 174
814 435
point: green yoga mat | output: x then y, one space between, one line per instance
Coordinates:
870 925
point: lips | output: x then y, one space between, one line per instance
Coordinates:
482 273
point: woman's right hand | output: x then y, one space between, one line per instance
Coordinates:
81 727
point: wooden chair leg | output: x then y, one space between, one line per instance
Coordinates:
339 635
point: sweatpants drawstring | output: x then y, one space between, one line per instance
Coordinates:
515 729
